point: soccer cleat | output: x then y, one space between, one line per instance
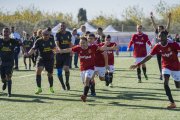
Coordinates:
76 66
67 86
83 98
146 77
9 95
4 86
139 81
39 90
51 89
171 106
161 78
93 94
111 85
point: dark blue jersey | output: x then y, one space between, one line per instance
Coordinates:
45 48
7 49
64 39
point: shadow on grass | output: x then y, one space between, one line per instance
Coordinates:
36 98
141 106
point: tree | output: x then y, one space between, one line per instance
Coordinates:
82 15
162 9
134 13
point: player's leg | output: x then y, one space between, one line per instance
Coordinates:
30 63
3 78
160 66
8 73
144 71
111 71
139 74
25 64
59 66
49 68
166 74
67 72
39 69
88 77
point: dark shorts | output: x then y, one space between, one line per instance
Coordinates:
6 70
48 65
62 60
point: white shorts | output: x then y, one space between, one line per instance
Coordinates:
100 71
174 74
111 68
86 74
138 59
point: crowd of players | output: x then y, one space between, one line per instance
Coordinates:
95 52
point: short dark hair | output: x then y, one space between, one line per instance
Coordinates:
91 35
100 28
161 26
49 29
162 32
108 36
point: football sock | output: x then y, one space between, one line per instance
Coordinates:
86 89
38 80
168 93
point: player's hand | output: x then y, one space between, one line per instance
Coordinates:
151 13
128 49
133 66
57 50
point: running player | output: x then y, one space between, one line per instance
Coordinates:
63 41
28 43
139 40
45 45
7 46
170 63
157 30
110 53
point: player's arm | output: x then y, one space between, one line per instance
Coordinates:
67 50
105 48
130 43
149 42
142 62
168 23
153 23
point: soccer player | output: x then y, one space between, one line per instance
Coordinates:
34 56
86 55
28 45
170 63
63 41
139 40
157 30
101 62
45 45
7 46
110 53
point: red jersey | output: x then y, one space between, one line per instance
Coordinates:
169 54
86 56
99 57
139 41
111 54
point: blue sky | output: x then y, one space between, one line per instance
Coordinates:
93 7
